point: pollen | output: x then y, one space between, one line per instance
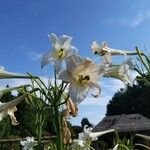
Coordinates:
60 53
83 79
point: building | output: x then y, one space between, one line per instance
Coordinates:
124 123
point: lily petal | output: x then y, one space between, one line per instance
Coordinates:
103 48
94 135
12 116
107 60
121 72
64 38
6 75
131 63
58 65
9 108
47 58
79 142
72 107
67 43
95 47
63 75
77 93
96 88
53 38
61 41
104 44
28 143
62 49
12 103
73 61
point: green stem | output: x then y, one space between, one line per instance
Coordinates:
121 145
39 129
58 126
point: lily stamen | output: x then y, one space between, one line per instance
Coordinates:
83 79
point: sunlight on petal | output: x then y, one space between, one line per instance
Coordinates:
47 58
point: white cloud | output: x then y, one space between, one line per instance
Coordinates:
140 18
32 54
135 21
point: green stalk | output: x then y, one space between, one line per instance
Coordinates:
141 59
121 145
39 117
58 126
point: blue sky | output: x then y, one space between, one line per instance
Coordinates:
24 26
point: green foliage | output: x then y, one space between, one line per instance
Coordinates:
26 117
85 121
134 100
5 127
126 143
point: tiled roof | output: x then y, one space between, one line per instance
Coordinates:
124 123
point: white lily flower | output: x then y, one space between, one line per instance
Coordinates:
83 75
103 48
5 74
62 49
10 108
29 143
77 142
87 136
121 72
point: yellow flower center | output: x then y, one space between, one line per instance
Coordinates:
83 79
60 53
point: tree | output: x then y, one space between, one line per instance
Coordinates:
134 100
84 122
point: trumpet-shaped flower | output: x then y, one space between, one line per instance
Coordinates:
10 108
83 75
62 49
121 72
87 136
5 74
28 143
102 49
